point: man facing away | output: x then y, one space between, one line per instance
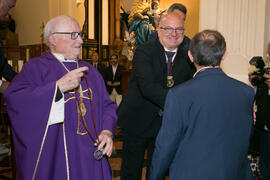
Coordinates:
157 66
113 79
60 111
207 121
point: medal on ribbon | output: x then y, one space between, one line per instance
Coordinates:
170 81
98 154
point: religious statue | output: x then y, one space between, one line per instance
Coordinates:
154 14
139 21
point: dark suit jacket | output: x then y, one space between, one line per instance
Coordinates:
139 111
262 99
117 78
205 130
101 69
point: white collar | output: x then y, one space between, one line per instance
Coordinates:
61 58
170 50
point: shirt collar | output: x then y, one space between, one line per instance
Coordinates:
170 50
61 58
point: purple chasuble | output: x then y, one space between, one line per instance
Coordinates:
63 150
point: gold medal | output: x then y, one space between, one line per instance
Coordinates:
170 81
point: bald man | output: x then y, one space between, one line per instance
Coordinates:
157 66
181 10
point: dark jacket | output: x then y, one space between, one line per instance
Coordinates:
205 130
101 69
116 78
263 105
140 111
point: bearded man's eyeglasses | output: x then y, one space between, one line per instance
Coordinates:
73 35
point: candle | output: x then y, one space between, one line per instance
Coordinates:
20 65
27 54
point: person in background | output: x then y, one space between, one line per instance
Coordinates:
157 66
97 64
178 8
113 79
207 121
6 71
62 117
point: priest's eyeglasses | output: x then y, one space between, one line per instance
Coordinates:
73 35
169 30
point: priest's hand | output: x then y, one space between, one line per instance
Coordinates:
106 142
71 80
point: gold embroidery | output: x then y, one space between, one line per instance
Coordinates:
80 129
66 154
82 106
69 99
44 137
79 126
83 109
83 97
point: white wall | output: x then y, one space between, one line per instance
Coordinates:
243 24
29 15
267 27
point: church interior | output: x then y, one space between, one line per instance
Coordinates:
245 25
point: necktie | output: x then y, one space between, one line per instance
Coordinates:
95 65
169 64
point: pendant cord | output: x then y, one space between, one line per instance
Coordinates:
92 111
91 103
79 108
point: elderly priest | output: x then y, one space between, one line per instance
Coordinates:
62 117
